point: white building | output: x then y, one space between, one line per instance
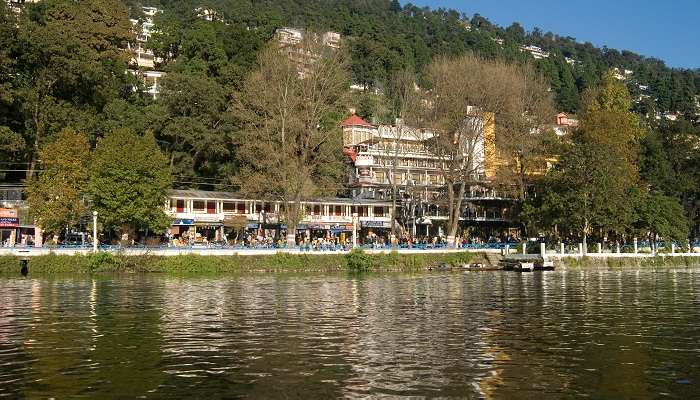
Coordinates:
214 214
142 57
537 52
208 14
18 5
151 81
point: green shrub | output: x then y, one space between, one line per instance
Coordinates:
357 260
104 262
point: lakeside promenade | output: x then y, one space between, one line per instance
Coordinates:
242 251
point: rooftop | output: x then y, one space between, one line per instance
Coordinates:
355 120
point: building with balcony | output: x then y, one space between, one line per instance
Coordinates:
151 81
219 215
143 61
384 156
142 56
291 38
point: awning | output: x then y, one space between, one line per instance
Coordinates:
208 223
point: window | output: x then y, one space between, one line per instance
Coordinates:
379 176
240 207
258 208
338 211
378 211
198 206
178 204
267 207
317 210
362 211
211 207
229 207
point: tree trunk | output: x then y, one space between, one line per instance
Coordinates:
455 211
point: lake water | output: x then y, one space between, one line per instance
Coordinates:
618 334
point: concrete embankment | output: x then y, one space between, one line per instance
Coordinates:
195 263
628 261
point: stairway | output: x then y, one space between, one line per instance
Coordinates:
491 259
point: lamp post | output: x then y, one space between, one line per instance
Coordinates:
354 230
94 231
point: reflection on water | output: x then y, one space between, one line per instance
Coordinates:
618 334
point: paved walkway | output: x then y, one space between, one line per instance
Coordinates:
175 251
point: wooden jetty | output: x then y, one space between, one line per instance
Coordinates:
525 263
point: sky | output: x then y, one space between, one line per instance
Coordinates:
668 30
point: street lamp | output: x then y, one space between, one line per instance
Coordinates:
94 231
354 230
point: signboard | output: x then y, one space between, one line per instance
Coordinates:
183 222
318 226
375 224
235 221
8 213
253 226
341 228
9 222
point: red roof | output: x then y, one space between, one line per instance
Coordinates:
355 120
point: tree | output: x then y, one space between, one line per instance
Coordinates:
129 182
587 190
662 216
196 127
461 105
595 186
523 131
403 94
57 196
72 58
289 149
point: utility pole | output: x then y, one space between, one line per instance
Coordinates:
94 231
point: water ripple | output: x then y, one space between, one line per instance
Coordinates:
602 334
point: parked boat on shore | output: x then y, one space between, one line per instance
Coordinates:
526 263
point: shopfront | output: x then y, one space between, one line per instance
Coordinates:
375 232
9 223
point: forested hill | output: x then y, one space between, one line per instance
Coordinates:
385 37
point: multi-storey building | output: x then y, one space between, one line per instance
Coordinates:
142 56
387 156
143 60
303 56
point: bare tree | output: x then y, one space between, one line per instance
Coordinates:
402 94
524 131
463 99
290 147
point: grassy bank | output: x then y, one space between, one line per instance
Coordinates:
629 262
281 262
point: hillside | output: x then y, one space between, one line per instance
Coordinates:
384 37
